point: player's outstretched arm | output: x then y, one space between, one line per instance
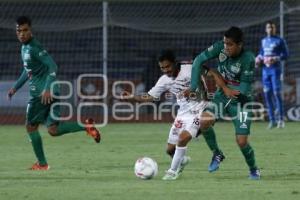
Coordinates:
127 96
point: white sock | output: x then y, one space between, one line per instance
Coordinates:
178 157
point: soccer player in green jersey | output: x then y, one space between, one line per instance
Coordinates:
236 65
40 69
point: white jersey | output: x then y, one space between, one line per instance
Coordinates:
177 86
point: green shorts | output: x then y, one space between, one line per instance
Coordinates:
222 109
37 113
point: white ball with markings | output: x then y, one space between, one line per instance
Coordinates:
145 168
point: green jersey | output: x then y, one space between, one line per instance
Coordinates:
237 72
39 68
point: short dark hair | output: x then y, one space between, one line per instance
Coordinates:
235 33
270 22
167 54
23 20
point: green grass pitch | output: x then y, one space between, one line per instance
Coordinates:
83 170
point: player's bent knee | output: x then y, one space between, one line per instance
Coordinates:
206 121
184 138
242 141
52 130
31 128
206 124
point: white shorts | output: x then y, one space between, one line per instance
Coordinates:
188 121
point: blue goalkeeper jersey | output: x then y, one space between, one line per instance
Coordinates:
274 46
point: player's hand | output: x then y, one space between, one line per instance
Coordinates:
270 60
231 93
11 92
46 97
186 93
274 59
126 96
258 61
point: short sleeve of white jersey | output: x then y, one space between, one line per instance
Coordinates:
163 84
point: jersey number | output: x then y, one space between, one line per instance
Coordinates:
243 116
196 121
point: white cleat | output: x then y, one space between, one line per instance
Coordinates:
271 125
170 175
280 124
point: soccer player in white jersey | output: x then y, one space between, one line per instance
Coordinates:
176 79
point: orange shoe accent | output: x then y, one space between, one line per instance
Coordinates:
37 166
91 130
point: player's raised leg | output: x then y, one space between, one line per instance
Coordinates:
63 128
91 130
58 128
181 148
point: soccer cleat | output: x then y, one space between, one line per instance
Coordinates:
170 175
215 161
271 125
185 162
254 174
280 124
37 166
91 130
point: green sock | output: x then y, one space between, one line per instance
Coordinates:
37 145
248 153
68 127
210 138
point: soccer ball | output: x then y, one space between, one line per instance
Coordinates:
145 168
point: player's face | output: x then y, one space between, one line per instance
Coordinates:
232 49
270 29
166 67
24 33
